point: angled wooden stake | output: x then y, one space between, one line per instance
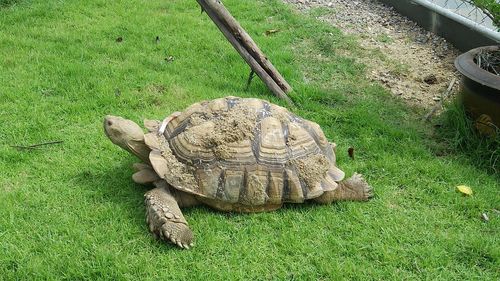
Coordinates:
247 48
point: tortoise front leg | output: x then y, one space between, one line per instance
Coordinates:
165 218
147 176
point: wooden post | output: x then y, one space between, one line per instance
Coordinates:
247 48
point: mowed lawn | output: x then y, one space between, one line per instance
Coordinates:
71 210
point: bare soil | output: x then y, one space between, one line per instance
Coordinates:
417 65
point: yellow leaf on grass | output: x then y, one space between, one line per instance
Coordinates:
464 189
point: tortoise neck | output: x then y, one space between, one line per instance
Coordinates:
139 149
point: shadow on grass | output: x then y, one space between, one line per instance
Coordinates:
8 3
115 185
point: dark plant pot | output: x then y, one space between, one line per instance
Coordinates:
479 88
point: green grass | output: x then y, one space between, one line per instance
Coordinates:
458 133
71 211
384 38
7 3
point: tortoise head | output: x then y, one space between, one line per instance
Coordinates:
127 135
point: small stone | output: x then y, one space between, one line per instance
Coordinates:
484 216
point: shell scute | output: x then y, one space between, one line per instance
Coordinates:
233 182
272 146
255 186
293 192
208 181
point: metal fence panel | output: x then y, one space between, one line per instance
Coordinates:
466 9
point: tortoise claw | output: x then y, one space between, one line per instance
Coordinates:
165 219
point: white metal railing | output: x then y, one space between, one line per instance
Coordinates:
464 12
465 9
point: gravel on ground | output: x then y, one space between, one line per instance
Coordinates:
418 65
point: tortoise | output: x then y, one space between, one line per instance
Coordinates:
232 154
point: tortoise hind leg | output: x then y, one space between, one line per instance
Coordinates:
353 189
165 218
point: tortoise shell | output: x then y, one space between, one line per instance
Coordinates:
246 152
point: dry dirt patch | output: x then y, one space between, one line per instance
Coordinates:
414 64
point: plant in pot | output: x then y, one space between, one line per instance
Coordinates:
480 86
480 97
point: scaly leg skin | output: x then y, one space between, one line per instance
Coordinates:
353 189
165 218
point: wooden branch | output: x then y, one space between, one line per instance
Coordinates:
242 36
33 146
440 103
246 47
256 67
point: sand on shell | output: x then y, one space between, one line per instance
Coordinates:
216 130
312 169
176 172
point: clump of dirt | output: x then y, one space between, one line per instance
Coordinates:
179 173
312 169
223 151
291 140
198 119
233 125
399 54
216 130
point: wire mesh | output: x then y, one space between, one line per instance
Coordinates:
466 9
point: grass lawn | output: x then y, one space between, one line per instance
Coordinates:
71 211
